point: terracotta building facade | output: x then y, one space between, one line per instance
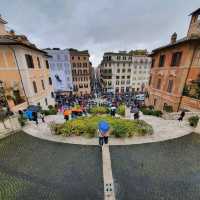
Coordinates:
175 72
81 68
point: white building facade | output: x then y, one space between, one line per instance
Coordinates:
125 72
60 70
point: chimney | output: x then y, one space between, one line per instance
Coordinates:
173 38
194 28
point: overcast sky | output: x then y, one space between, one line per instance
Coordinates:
99 25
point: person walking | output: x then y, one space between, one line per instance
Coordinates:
42 117
113 111
35 117
103 131
180 119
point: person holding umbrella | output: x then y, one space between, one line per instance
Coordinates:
103 131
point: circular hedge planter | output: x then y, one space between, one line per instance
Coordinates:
87 126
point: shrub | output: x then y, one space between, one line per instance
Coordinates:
193 121
99 110
52 111
87 126
50 107
151 107
121 110
22 120
147 111
168 108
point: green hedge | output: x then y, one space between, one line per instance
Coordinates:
87 126
99 110
51 111
147 111
121 110
193 121
22 120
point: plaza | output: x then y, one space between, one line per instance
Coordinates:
38 165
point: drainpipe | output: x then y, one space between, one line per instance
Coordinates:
193 53
20 75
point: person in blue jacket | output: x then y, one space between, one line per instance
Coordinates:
103 132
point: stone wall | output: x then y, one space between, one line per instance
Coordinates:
11 124
175 115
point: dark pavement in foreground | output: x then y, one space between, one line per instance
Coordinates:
31 168
158 171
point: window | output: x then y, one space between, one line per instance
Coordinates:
158 84
124 64
110 70
38 60
47 64
117 64
124 57
118 70
46 102
50 81
117 82
176 59
123 70
123 77
29 61
170 86
117 90
128 77
72 57
197 57
34 87
118 57
43 87
78 58
58 57
130 58
84 58
122 89
154 102
162 60
152 62
117 77
150 80
129 70
52 94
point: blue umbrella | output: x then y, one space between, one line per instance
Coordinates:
104 126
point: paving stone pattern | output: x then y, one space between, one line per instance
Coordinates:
34 169
158 171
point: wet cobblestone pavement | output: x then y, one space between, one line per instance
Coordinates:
34 169
167 170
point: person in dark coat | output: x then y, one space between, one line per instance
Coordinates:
180 119
182 115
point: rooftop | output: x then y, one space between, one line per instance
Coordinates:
138 52
197 11
76 51
18 40
178 42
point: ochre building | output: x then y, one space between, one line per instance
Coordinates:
24 71
175 72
